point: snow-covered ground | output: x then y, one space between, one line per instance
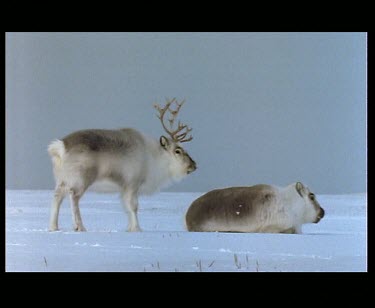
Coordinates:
337 243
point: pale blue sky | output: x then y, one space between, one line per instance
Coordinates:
269 108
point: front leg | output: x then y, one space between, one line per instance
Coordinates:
291 230
298 229
130 204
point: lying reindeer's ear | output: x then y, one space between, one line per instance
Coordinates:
164 142
300 188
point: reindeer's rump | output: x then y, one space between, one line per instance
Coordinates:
103 140
228 206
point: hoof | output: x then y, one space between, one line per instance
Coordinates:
135 229
80 229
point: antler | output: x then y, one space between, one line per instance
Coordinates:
177 135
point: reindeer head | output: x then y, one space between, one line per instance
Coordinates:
181 159
313 211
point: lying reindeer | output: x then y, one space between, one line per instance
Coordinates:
122 160
259 208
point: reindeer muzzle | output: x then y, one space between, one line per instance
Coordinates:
192 167
320 215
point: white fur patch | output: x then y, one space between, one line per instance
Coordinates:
56 150
104 186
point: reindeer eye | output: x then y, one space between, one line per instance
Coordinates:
178 151
312 196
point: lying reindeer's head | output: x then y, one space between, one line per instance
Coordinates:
313 212
181 162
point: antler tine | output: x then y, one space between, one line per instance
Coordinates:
181 137
174 112
174 134
162 112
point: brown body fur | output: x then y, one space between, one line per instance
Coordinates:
223 205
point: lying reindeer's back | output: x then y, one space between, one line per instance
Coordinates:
229 206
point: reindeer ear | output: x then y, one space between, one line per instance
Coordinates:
164 141
300 188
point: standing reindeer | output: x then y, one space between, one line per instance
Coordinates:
121 160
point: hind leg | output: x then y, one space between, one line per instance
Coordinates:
75 195
55 208
83 179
